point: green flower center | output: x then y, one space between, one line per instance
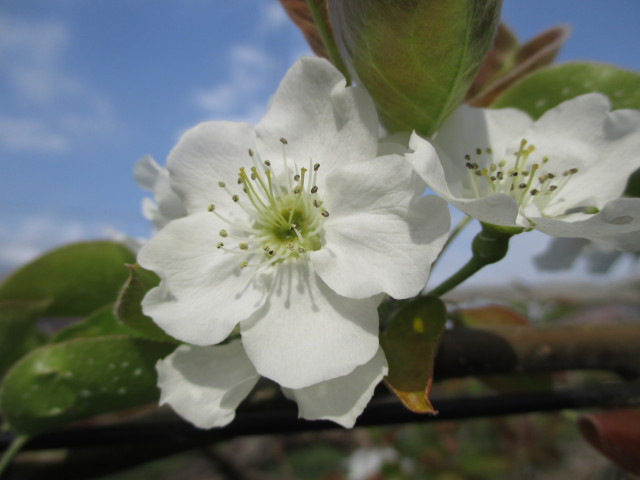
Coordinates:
282 216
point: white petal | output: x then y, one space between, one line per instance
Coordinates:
149 208
380 236
205 385
209 153
468 129
322 120
170 206
582 133
204 293
618 223
447 180
146 171
342 399
397 143
306 333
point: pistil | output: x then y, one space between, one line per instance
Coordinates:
283 214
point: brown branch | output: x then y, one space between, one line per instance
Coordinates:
469 352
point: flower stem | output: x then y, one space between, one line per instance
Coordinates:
12 451
471 267
327 38
489 246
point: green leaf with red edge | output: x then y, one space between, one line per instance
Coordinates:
548 87
128 308
299 13
57 384
410 344
18 334
416 58
508 61
490 316
78 278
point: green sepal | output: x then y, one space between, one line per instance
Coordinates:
100 323
416 58
491 244
547 88
128 308
61 383
78 278
18 334
410 344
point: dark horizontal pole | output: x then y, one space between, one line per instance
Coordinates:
384 409
467 352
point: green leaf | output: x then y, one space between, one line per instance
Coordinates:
79 278
410 344
128 308
417 58
633 185
100 323
61 383
17 329
546 88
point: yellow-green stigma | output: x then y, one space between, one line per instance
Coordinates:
284 214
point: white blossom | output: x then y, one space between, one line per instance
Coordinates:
563 174
293 230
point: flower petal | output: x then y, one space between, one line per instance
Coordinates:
170 206
341 399
626 242
616 225
321 118
447 180
380 236
204 293
468 129
209 153
582 133
306 333
205 385
146 171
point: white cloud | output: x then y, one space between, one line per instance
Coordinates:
46 108
30 53
273 17
253 70
29 134
242 95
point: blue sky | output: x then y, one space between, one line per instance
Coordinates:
88 87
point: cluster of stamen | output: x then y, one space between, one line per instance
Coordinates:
524 181
282 214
